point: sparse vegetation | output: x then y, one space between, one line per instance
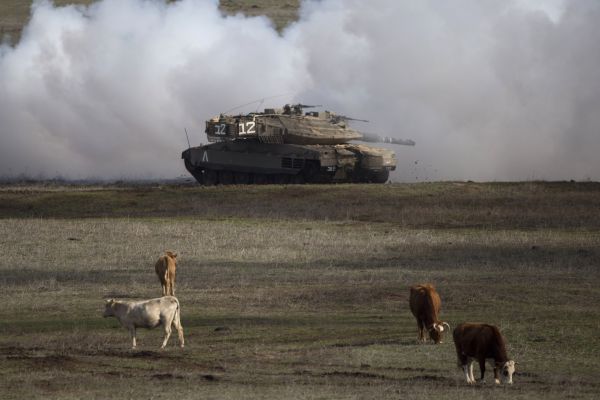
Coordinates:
14 14
298 291
295 291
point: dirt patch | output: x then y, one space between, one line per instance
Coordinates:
44 361
342 374
16 350
167 376
152 355
210 377
371 343
116 374
48 385
431 379
356 374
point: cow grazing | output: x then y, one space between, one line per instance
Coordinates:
148 314
478 342
165 268
425 305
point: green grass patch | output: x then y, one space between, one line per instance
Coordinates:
286 293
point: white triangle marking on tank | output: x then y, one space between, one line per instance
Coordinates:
205 157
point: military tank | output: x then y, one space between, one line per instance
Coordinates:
288 145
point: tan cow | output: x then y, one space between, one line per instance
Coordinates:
147 314
425 305
481 342
165 268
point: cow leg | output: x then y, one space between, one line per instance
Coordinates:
132 333
482 367
167 335
463 362
421 331
167 325
179 329
177 324
465 368
496 375
169 288
471 371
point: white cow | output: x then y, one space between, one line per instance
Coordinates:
148 314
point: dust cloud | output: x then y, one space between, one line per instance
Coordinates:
489 90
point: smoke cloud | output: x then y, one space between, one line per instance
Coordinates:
489 90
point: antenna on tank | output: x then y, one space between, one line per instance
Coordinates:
260 101
260 104
187 137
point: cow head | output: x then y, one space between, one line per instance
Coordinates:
507 370
436 331
172 255
108 308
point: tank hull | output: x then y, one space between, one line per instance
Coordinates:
252 162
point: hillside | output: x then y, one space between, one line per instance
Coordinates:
14 14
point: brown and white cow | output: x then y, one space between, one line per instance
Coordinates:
481 342
425 305
165 268
147 314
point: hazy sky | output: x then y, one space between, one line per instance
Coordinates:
489 90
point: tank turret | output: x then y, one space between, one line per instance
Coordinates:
287 145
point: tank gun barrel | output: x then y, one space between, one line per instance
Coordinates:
375 138
347 118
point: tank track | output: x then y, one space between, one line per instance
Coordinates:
310 174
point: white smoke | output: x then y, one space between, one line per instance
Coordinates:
489 90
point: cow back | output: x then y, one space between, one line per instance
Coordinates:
425 302
480 340
161 268
166 265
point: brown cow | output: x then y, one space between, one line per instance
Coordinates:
165 268
478 342
425 305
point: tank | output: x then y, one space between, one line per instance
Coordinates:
289 145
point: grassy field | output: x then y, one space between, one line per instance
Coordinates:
14 14
298 291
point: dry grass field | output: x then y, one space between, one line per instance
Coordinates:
298 291
15 13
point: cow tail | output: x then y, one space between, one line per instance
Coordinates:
178 313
